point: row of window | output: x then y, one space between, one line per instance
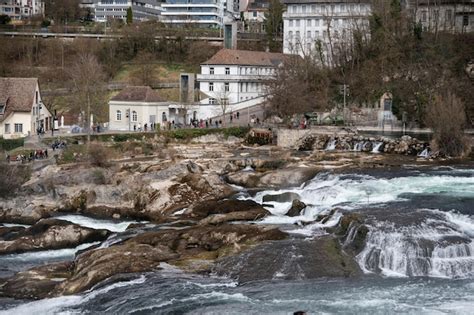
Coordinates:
226 87
18 128
251 87
317 35
110 10
134 118
247 70
329 9
448 17
322 22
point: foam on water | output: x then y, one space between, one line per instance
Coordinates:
47 254
113 226
60 304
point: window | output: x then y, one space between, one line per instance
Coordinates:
19 128
308 34
119 115
227 70
449 15
254 14
211 86
212 101
298 23
423 16
163 117
316 34
290 23
303 9
226 87
343 8
211 70
465 20
290 35
294 8
308 22
36 97
134 116
316 22
313 8
308 47
2 109
7 128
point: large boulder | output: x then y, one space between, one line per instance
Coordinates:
283 197
50 234
280 178
291 259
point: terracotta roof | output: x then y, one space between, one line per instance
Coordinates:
138 94
246 58
17 94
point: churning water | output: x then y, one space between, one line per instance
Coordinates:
418 256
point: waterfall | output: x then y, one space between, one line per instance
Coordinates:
331 145
376 147
438 249
358 146
425 153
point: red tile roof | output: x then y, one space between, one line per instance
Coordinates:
17 94
138 94
246 58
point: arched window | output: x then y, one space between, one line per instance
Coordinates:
119 115
163 117
134 116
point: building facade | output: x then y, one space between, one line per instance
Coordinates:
254 16
315 27
136 106
233 76
202 13
117 9
21 9
454 16
22 111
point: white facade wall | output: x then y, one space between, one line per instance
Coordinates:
305 24
29 121
146 113
243 82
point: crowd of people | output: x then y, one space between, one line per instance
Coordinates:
33 155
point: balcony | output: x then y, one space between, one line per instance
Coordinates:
232 78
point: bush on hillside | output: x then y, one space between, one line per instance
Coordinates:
12 177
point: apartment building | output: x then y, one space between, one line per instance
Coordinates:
117 9
317 26
202 13
21 9
233 76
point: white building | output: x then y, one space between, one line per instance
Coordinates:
136 106
21 9
315 27
22 111
203 13
233 76
454 16
117 9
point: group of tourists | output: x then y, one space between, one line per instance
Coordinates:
33 155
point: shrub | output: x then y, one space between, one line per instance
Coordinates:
446 116
12 177
99 155
10 144
98 177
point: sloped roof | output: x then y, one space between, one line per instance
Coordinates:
247 58
138 94
17 94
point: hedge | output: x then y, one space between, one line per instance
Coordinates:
10 144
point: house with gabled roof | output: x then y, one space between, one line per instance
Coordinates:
233 76
22 111
135 106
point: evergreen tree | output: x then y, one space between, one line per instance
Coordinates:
274 24
129 16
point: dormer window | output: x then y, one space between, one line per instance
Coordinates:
2 108
211 70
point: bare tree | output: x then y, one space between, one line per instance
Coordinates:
145 73
446 116
88 78
222 98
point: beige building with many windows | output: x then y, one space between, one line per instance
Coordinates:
315 27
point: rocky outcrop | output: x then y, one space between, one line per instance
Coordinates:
296 207
141 253
49 234
287 177
292 259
